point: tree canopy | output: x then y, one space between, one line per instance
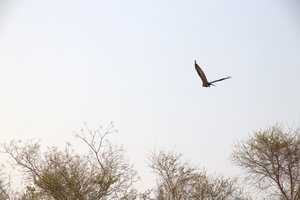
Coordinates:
103 173
180 180
271 160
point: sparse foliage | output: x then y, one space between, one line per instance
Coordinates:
4 193
180 180
271 159
103 173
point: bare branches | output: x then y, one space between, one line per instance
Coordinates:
104 173
271 158
180 180
27 156
96 140
115 173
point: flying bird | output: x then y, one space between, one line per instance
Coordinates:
204 79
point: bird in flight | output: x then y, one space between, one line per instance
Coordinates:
204 79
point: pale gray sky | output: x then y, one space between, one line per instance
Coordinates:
63 63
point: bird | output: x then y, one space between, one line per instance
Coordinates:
205 82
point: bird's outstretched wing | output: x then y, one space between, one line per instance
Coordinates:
200 73
220 79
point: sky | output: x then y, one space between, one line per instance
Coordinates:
65 63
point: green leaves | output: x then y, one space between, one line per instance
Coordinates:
180 180
271 158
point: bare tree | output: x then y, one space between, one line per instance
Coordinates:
116 174
271 160
180 180
103 173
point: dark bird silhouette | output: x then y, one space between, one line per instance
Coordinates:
204 79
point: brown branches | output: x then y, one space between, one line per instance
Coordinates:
180 180
271 158
103 173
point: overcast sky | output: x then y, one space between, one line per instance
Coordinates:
63 63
